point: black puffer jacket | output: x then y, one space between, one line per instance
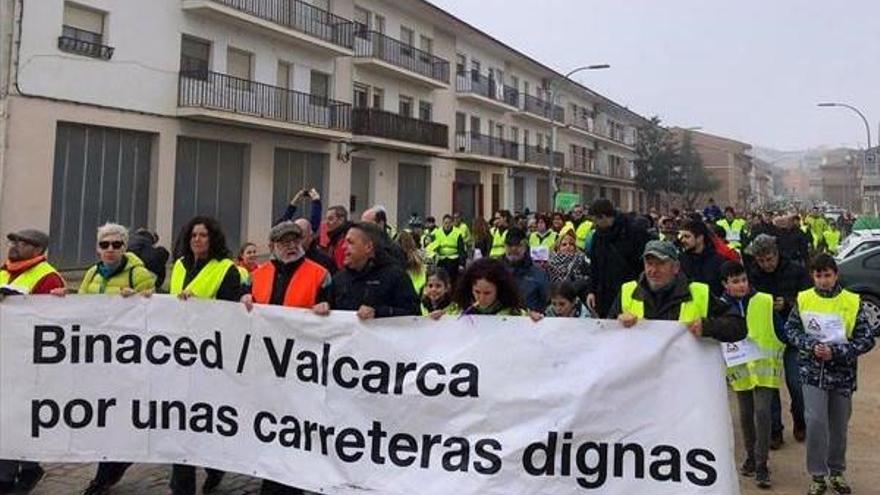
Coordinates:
615 258
382 285
704 267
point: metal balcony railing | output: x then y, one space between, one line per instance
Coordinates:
398 54
480 144
382 124
541 156
478 84
82 42
215 91
299 16
542 108
583 122
583 163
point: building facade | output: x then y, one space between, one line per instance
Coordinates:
147 113
730 163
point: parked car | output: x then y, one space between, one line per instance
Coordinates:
860 273
858 242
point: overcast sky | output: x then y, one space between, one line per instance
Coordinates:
747 69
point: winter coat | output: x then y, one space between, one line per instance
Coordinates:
724 323
382 285
840 373
154 258
616 258
704 267
786 282
534 288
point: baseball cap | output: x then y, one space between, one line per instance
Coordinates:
664 250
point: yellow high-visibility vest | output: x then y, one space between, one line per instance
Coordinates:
26 281
734 231
832 240
582 232
696 308
498 242
767 371
206 284
548 241
446 245
846 305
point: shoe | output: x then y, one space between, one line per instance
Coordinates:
6 487
212 481
28 479
800 433
818 486
838 484
776 442
748 468
96 489
762 478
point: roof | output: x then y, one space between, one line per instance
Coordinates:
603 99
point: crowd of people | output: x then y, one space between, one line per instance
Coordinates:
765 286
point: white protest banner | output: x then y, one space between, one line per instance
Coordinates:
473 405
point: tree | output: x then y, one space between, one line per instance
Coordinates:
696 180
656 161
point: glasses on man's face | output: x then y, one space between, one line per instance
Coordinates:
108 244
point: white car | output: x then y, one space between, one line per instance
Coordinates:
858 242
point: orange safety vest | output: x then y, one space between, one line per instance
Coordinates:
302 290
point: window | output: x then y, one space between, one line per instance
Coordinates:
460 122
319 86
405 106
475 69
285 73
238 63
460 64
514 134
426 44
361 21
426 111
407 38
83 24
360 95
380 24
378 99
475 125
194 55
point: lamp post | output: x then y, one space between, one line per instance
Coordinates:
554 93
873 198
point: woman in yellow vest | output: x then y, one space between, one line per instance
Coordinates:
542 241
831 330
203 270
123 273
415 263
754 368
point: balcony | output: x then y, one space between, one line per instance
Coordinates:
480 147
82 42
391 130
486 91
582 122
541 110
538 155
583 163
386 54
212 96
290 20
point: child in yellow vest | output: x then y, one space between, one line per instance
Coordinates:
754 367
830 329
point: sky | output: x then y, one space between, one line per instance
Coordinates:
751 70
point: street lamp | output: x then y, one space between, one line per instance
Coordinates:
554 93
865 160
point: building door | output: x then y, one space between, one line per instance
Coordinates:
497 200
413 191
543 186
209 180
361 181
100 174
295 171
467 194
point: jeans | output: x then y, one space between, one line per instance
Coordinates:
793 383
754 417
827 414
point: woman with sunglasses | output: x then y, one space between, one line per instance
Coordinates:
123 273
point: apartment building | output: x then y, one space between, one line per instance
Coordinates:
148 113
730 162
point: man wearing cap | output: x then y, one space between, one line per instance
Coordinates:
664 293
25 271
532 281
289 278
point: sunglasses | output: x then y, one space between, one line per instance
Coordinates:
107 244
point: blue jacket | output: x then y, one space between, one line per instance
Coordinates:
534 287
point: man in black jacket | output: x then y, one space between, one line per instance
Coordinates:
699 261
791 240
615 256
370 283
663 290
782 279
